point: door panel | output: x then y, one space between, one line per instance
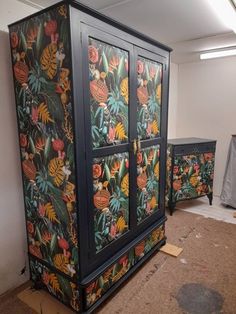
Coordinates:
149 74
149 85
106 75
147 182
109 93
110 198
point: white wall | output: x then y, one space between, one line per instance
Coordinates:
207 106
13 256
173 101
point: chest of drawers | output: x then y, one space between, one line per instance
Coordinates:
190 169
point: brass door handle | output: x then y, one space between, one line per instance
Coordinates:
135 146
138 145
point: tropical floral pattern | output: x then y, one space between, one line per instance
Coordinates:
110 198
168 175
149 75
99 287
63 289
109 93
147 182
192 175
42 79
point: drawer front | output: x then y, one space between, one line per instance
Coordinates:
192 175
194 148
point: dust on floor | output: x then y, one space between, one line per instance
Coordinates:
202 277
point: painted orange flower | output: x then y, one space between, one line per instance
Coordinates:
23 140
30 227
35 250
208 156
93 54
97 171
50 27
177 185
114 62
175 170
45 278
139 157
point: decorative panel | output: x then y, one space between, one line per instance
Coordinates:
192 175
42 79
109 93
114 273
111 198
149 94
147 182
56 284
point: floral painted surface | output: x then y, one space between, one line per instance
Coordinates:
147 182
149 75
63 289
111 198
109 93
99 287
192 176
42 80
168 175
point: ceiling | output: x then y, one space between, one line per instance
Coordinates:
188 26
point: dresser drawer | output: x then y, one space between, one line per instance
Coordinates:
194 148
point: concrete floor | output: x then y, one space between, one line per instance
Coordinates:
201 280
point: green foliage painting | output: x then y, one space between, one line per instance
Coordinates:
109 93
111 198
42 76
149 98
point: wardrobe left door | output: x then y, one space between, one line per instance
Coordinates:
109 137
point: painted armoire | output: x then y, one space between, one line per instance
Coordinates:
91 100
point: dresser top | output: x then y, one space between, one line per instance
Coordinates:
188 140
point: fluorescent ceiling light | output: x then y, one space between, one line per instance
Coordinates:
218 54
225 10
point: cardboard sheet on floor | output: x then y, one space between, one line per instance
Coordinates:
171 249
42 302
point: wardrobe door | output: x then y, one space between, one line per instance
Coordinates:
150 69
106 74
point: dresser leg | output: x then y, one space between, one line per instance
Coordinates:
210 197
171 208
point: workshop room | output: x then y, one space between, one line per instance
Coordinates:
118 156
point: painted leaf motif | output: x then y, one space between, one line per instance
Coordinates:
155 129
156 170
125 184
50 213
54 283
120 131
120 224
48 60
61 261
55 168
43 113
29 169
